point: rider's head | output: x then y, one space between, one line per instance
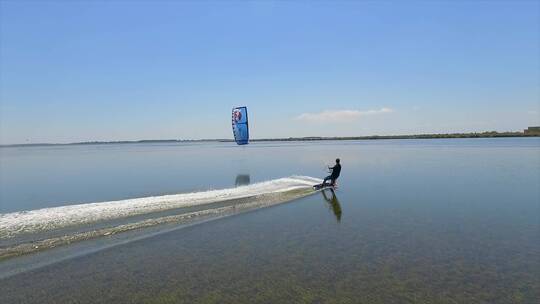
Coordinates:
337 160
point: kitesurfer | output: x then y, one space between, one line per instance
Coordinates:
335 171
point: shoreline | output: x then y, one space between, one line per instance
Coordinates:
308 138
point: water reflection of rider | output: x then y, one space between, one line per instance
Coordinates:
334 203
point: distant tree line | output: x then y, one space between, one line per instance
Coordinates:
309 138
415 136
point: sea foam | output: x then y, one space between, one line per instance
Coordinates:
17 223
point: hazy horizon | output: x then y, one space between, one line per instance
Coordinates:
252 139
122 71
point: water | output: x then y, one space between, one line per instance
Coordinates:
39 177
419 221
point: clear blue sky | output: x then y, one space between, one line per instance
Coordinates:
126 70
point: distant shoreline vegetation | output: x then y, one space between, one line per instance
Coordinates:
489 134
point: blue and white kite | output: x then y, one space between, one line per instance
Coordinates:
240 125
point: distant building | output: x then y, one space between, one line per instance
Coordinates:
532 131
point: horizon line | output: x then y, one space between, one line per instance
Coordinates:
299 138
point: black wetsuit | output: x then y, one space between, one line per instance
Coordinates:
336 170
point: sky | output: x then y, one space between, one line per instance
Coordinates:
74 71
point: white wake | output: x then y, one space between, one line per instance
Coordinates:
15 223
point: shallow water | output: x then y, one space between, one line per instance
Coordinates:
419 221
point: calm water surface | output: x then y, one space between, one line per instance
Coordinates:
413 221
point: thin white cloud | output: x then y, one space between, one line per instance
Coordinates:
340 115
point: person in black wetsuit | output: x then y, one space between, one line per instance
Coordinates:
336 170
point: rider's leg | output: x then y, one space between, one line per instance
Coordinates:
326 179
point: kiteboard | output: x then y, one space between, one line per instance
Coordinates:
326 186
